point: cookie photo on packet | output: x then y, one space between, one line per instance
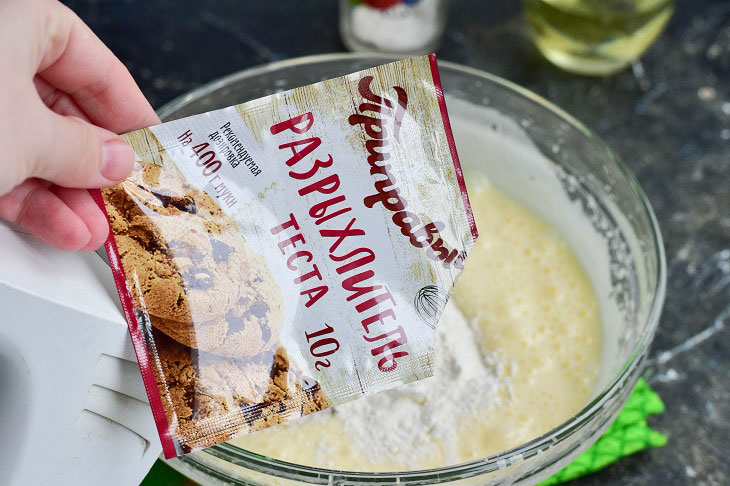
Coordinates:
212 306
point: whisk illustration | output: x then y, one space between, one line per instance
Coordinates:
430 302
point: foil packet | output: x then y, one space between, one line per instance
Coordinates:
288 254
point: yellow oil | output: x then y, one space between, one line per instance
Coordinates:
596 37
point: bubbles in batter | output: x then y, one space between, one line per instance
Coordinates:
528 302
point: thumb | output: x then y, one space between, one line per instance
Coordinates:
74 153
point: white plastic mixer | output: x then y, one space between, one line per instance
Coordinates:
73 409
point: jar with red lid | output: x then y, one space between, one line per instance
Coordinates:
393 26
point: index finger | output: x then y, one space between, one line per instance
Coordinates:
78 63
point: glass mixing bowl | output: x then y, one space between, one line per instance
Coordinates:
551 163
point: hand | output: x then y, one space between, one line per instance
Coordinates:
63 98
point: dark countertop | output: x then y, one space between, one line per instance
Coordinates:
669 120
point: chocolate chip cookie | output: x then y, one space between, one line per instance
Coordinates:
189 267
211 399
251 327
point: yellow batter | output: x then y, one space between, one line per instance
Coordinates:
538 316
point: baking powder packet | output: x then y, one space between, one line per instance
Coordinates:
291 253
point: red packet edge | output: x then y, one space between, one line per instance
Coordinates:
135 331
452 145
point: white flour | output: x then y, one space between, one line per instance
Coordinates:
409 422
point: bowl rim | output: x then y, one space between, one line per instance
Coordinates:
505 458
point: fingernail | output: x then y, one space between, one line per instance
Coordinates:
117 160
